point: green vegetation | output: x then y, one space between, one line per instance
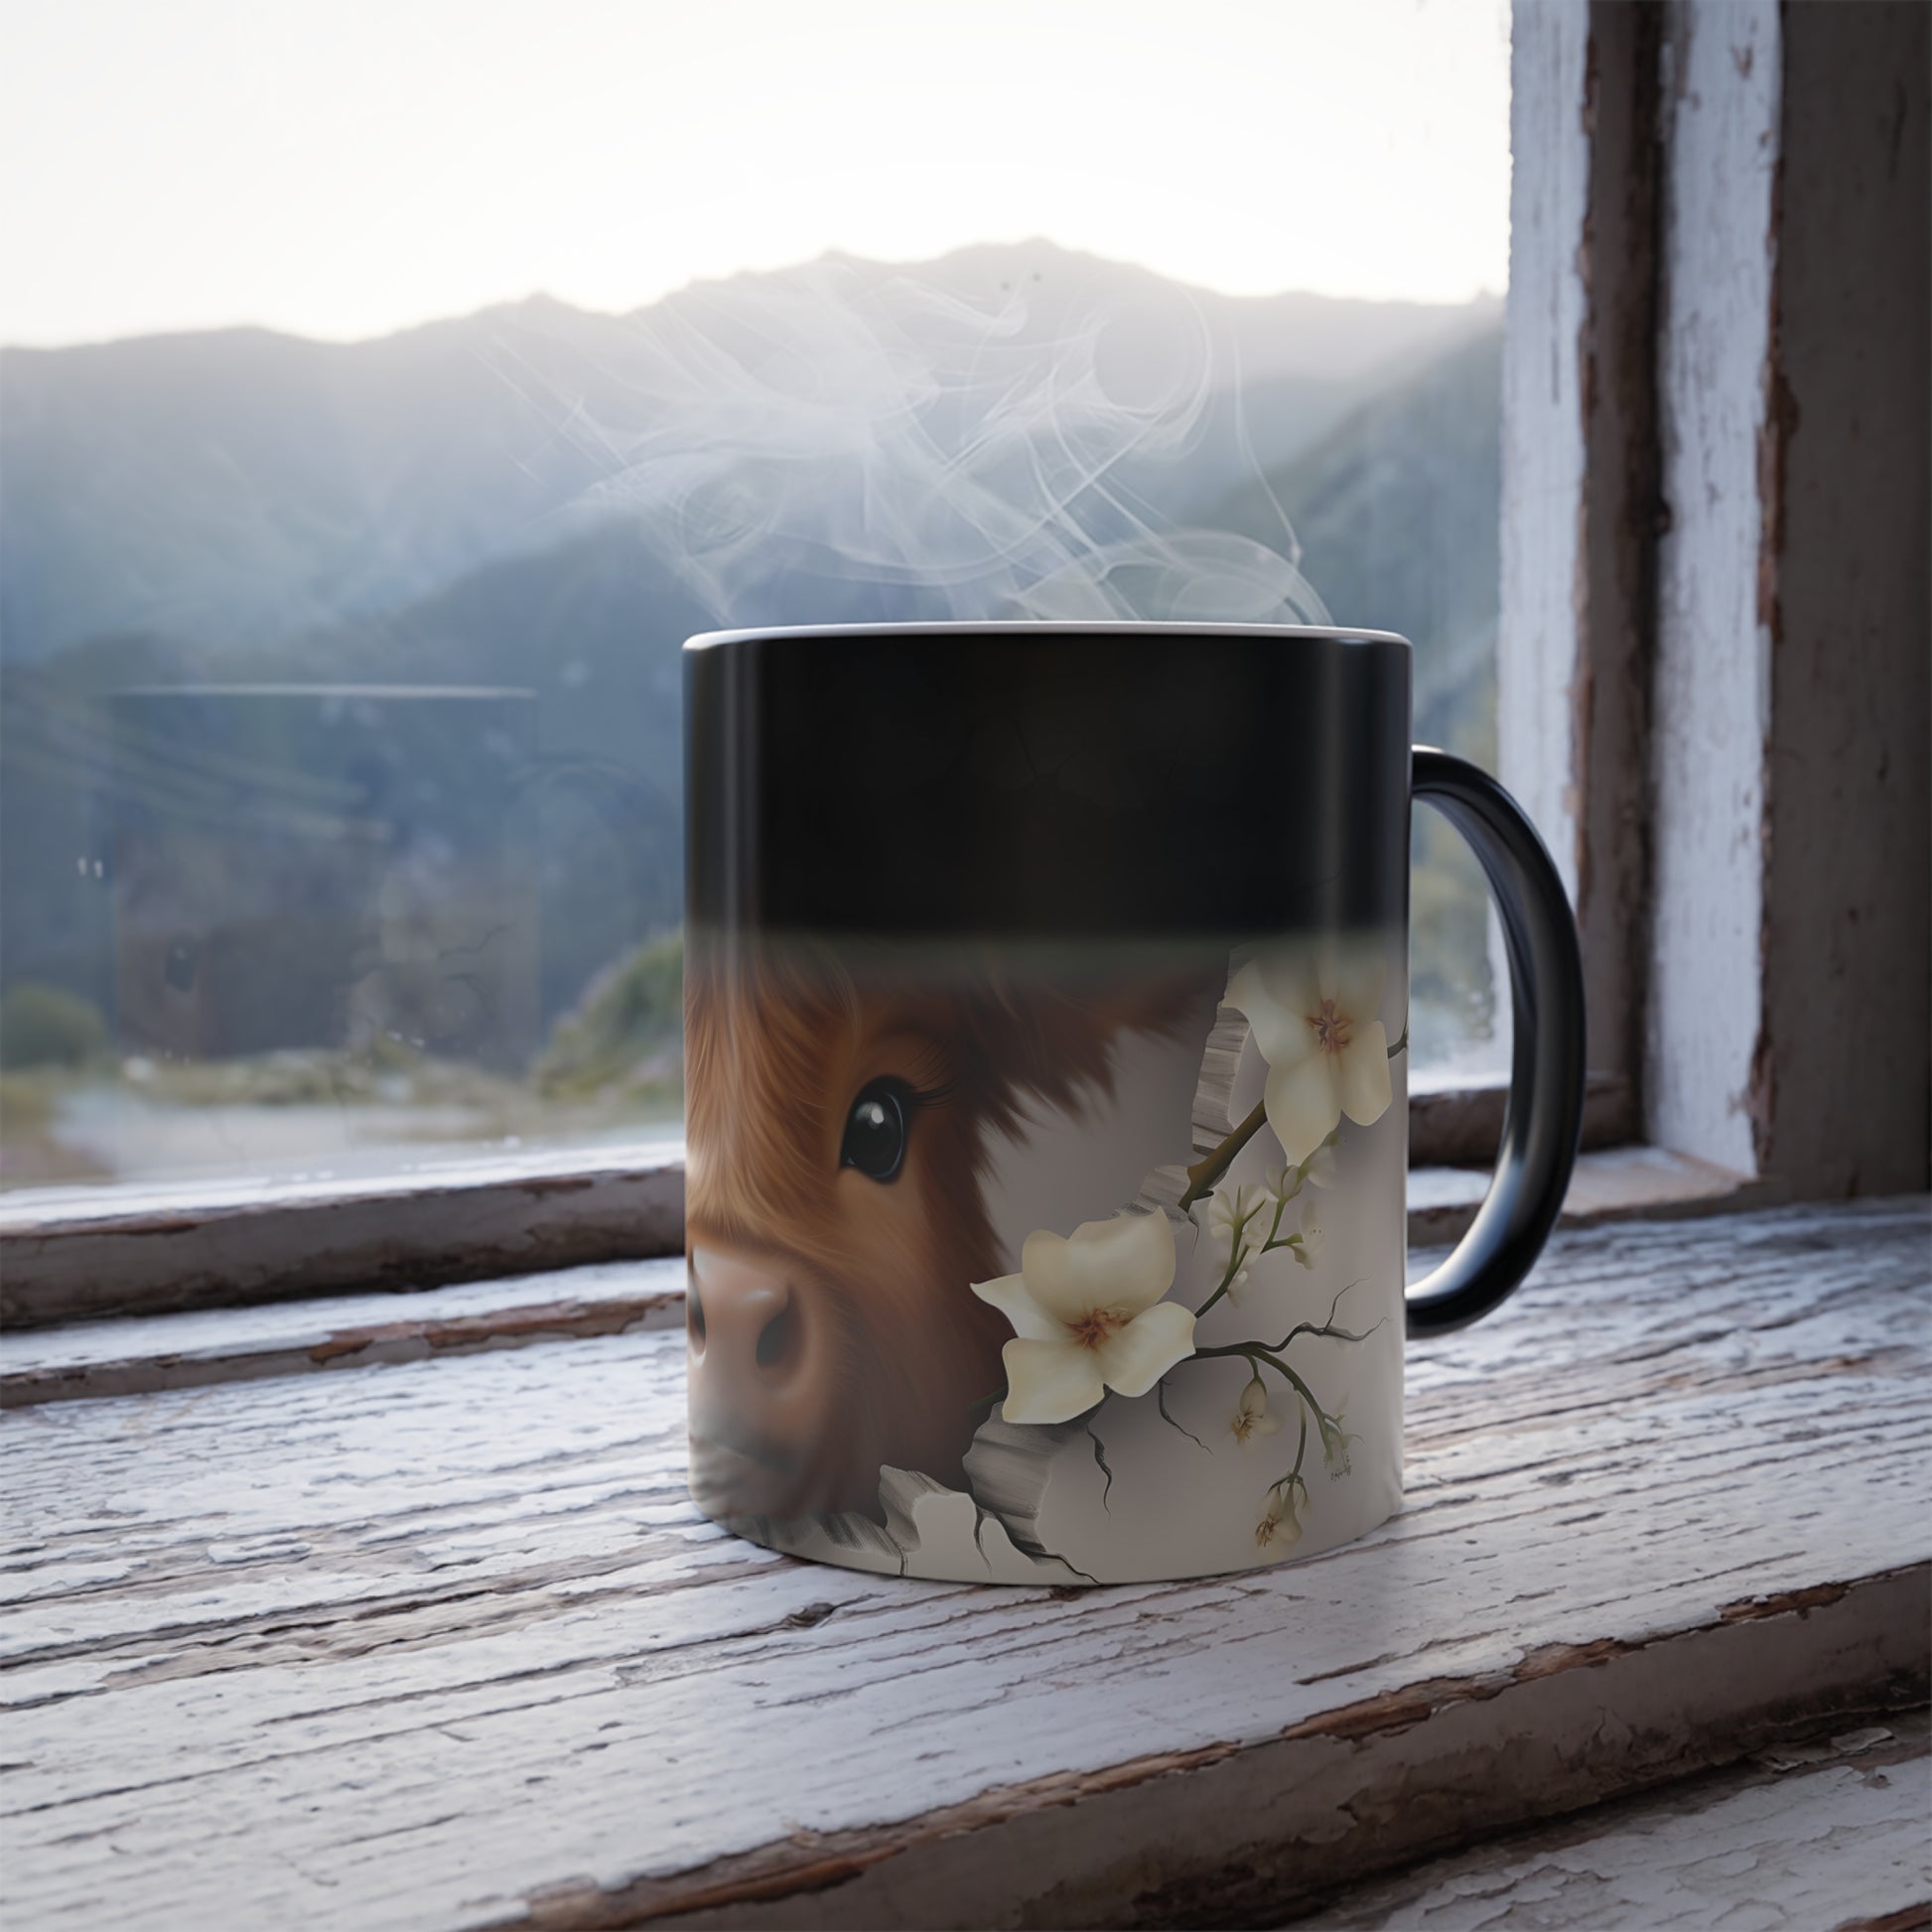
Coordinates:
625 1033
1373 426
45 1026
381 1070
1452 995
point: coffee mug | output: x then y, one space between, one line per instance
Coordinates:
1046 1090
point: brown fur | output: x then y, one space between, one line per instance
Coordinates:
776 1048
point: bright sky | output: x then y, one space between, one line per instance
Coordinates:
342 168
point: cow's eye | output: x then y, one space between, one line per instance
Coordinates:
874 1131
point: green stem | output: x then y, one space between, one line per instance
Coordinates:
1253 1352
1294 1476
1213 1165
1205 1171
1281 1369
1227 1282
1327 1329
1237 1254
1280 1209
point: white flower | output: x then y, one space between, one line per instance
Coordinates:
1335 1441
1251 1417
1237 1285
1278 1522
1318 1169
1230 1211
1308 1244
1313 1011
1087 1317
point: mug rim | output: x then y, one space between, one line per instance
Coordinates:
1046 628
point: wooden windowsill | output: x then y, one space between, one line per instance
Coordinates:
79 1254
131 1356
71 1254
443 1643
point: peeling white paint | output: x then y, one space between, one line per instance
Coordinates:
1543 424
447 1645
1711 695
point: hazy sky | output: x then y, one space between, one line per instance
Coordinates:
341 168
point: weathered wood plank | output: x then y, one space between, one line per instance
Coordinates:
1614 1183
143 1354
1831 1835
1459 1123
76 1254
1705 1088
1581 503
443 1643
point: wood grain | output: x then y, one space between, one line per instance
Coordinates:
143 1354
1712 697
1782 1841
443 1643
1580 501
74 1254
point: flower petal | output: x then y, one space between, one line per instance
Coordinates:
1125 1263
1320 1167
1008 1294
1049 1381
1055 1282
1277 998
1291 974
1144 1351
1354 973
1280 1525
1302 1104
1364 1082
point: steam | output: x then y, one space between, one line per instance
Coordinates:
844 444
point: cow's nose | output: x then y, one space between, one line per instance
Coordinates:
743 1321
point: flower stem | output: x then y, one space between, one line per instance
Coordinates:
1215 1164
1235 1257
1205 1171
1268 1350
1275 1227
1281 1369
1294 1476
1238 1252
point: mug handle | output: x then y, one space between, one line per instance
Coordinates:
1544 1117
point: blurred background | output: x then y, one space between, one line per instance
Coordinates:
389 392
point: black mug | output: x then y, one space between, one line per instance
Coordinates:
1045 1071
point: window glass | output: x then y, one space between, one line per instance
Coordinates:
392 388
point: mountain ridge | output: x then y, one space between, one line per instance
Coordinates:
238 483
462 503
1030 249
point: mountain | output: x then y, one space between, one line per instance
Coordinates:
240 486
1396 512
534 507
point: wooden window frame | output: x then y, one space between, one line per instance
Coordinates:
1690 257
1712 665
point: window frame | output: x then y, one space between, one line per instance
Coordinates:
1637 179
86 1253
